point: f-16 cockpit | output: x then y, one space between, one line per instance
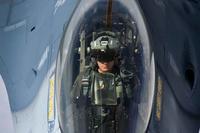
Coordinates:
117 98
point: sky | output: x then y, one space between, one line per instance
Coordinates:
6 124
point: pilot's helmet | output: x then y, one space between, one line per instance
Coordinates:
105 47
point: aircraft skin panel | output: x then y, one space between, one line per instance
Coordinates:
63 10
176 56
31 43
177 49
37 10
26 121
30 34
4 11
182 121
168 116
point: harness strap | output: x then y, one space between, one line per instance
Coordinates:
85 82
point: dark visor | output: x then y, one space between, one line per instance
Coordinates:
105 56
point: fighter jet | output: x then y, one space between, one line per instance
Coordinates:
44 46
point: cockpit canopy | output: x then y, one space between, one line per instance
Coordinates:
127 34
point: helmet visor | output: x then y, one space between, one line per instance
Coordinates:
105 56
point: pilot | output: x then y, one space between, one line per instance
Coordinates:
99 96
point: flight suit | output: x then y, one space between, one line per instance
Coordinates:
99 103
